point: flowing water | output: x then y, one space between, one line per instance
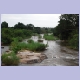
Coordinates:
57 54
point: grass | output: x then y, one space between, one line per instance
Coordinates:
9 59
49 37
36 46
31 45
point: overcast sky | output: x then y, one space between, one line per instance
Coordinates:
38 20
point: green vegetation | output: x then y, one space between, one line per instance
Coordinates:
30 41
16 46
20 31
39 36
8 34
68 29
10 59
31 45
49 37
36 46
73 40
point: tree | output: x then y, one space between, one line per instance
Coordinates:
30 26
19 26
67 23
37 30
4 24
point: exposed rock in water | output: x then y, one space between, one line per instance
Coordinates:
28 57
40 40
2 46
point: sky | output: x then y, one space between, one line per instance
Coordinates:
38 20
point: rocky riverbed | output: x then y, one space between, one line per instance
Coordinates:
29 57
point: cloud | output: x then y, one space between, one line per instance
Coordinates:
41 20
15 18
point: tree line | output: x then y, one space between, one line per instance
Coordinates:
68 29
20 31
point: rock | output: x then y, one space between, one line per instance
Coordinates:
40 40
2 46
8 51
3 64
33 59
54 57
28 57
30 60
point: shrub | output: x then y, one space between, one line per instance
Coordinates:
15 46
30 41
22 46
9 59
7 34
36 46
33 46
19 39
74 41
39 36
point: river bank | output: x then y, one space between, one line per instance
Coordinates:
57 54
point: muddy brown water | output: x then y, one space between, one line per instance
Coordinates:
57 54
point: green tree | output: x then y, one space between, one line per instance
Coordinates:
67 23
19 26
4 24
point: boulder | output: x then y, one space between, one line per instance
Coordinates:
40 40
28 57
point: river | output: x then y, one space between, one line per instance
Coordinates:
57 54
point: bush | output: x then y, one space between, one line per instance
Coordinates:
16 45
7 34
74 42
36 46
33 46
9 59
39 36
30 41
19 39
22 46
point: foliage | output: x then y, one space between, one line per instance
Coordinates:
67 23
68 29
19 26
33 46
4 24
37 30
39 36
36 46
7 34
49 37
9 59
15 46
30 41
74 40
